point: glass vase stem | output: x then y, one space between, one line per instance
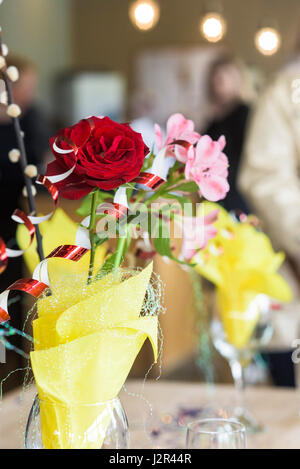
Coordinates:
237 371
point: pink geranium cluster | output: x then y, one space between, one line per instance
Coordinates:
205 162
207 165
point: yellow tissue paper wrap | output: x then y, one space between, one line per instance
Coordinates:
86 339
242 264
60 229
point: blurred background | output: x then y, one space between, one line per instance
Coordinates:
140 62
66 38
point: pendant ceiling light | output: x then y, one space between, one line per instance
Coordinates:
144 14
212 27
212 24
267 40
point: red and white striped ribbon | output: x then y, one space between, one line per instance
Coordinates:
29 221
39 283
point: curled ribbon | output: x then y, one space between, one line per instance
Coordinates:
40 282
3 256
119 207
29 221
37 285
152 181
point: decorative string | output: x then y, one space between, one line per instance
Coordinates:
23 156
204 347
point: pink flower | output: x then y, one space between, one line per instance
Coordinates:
197 231
207 166
178 128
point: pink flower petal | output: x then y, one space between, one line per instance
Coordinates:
188 169
222 142
158 136
220 166
203 150
211 217
197 231
187 252
190 136
181 153
214 188
176 125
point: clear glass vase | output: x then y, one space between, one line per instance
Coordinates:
91 426
239 357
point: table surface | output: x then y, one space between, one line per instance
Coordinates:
158 410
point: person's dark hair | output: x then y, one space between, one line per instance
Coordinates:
22 63
219 62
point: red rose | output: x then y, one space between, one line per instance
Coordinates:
107 155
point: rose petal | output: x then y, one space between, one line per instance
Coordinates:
75 191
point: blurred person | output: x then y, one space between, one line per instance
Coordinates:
270 179
269 175
230 114
36 135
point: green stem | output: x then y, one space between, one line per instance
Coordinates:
92 236
122 247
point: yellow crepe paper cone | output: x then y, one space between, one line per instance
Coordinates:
60 229
242 264
86 354
238 319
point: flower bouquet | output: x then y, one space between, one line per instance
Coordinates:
93 315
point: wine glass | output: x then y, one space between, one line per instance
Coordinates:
239 357
216 434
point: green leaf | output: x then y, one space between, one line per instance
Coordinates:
181 199
148 161
107 267
163 244
153 221
174 168
190 186
101 241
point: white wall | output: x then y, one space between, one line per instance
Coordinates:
40 30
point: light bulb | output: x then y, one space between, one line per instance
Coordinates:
213 27
267 41
144 14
